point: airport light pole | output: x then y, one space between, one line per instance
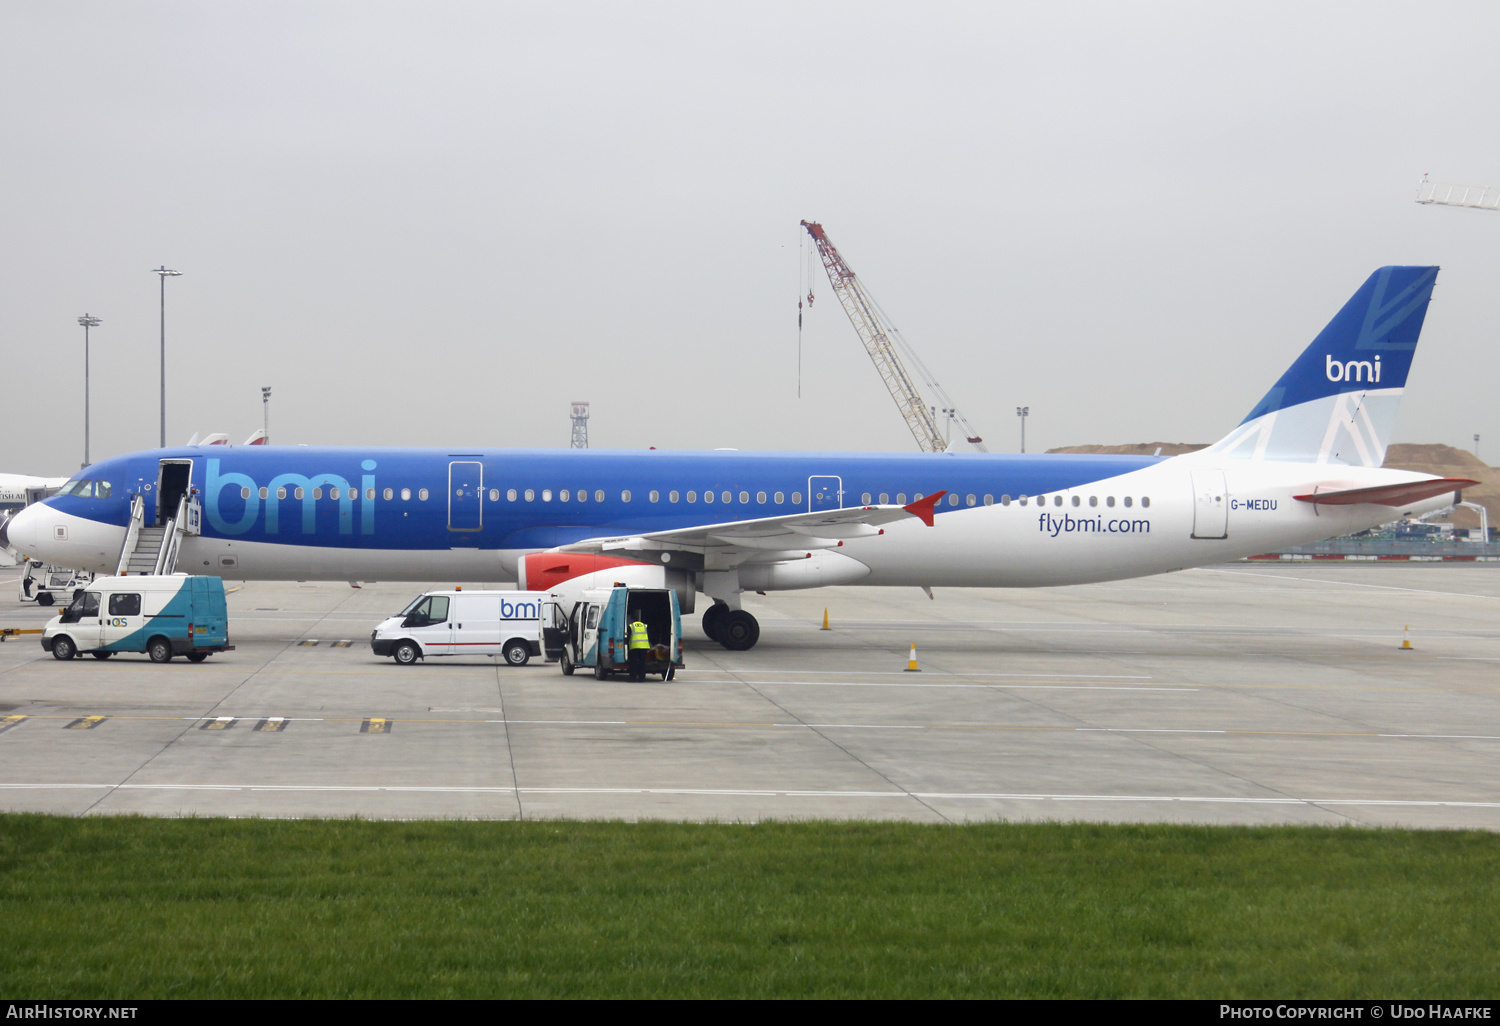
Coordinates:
164 275
1476 447
1023 412
265 403
88 322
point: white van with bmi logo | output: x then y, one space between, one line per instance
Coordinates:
162 616
457 622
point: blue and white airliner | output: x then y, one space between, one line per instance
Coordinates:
1303 466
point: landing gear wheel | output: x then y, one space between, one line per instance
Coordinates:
101 655
63 648
567 664
44 599
196 657
713 619
738 631
160 650
516 653
405 653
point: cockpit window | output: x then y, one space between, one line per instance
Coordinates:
85 488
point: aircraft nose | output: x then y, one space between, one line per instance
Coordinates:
25 529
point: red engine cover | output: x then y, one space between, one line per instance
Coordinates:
543 571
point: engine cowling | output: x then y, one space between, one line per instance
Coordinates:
544 571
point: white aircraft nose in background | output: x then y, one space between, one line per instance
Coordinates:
43 532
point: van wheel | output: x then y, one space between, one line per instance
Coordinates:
101 655
44 599
516 653
63 648
160 650
567 664
196 657
406 653
669 673
600 672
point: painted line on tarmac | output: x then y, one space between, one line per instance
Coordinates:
774 793
1003 685
1351 584
940 673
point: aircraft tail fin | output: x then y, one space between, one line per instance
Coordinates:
1337 403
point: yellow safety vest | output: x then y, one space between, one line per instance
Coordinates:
638 638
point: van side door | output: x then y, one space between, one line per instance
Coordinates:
429 625
123 622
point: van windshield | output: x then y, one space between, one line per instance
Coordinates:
412 605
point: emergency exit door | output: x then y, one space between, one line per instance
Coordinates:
824 493
1210 504
465 496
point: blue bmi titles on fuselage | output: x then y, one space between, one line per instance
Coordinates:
286 487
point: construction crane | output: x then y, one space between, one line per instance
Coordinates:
1458 195
881 340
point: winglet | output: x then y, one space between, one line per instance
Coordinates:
923 508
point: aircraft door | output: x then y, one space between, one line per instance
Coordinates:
173 480
465 496
824 493
1210 504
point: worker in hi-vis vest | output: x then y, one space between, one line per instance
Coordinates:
640 644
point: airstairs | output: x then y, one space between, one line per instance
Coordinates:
153 550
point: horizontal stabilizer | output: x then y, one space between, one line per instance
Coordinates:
1389 495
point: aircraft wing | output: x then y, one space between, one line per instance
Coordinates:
766 536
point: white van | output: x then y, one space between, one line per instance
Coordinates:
440 623
163 616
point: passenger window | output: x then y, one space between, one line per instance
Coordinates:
598 494
1127 502
989 500
406 494
546 494
671 496
263 491
760 497
530 495
901 498
563 495
421 494
494 494
780 498
953 499
510 494
1145 502
583 495
625 496
744 498
885 498
1093 500
1005 500
692 496
1109 501
369 495
318 493
726 497
125 604
708 496
655 496
1057 500
244 493
796 498
297 493
864 500
388 494
969 500
1076 500
281 493
1022 500
334 493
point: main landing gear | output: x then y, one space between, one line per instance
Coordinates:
735 629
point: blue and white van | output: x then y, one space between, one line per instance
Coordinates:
457 622
162 616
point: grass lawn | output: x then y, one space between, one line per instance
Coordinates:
140 908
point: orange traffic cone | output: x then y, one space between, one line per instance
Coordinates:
911 663
1406 639
825 626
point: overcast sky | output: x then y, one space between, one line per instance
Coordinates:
439 223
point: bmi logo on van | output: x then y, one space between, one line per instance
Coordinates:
1353 370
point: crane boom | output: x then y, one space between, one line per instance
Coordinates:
881 339
1429 192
